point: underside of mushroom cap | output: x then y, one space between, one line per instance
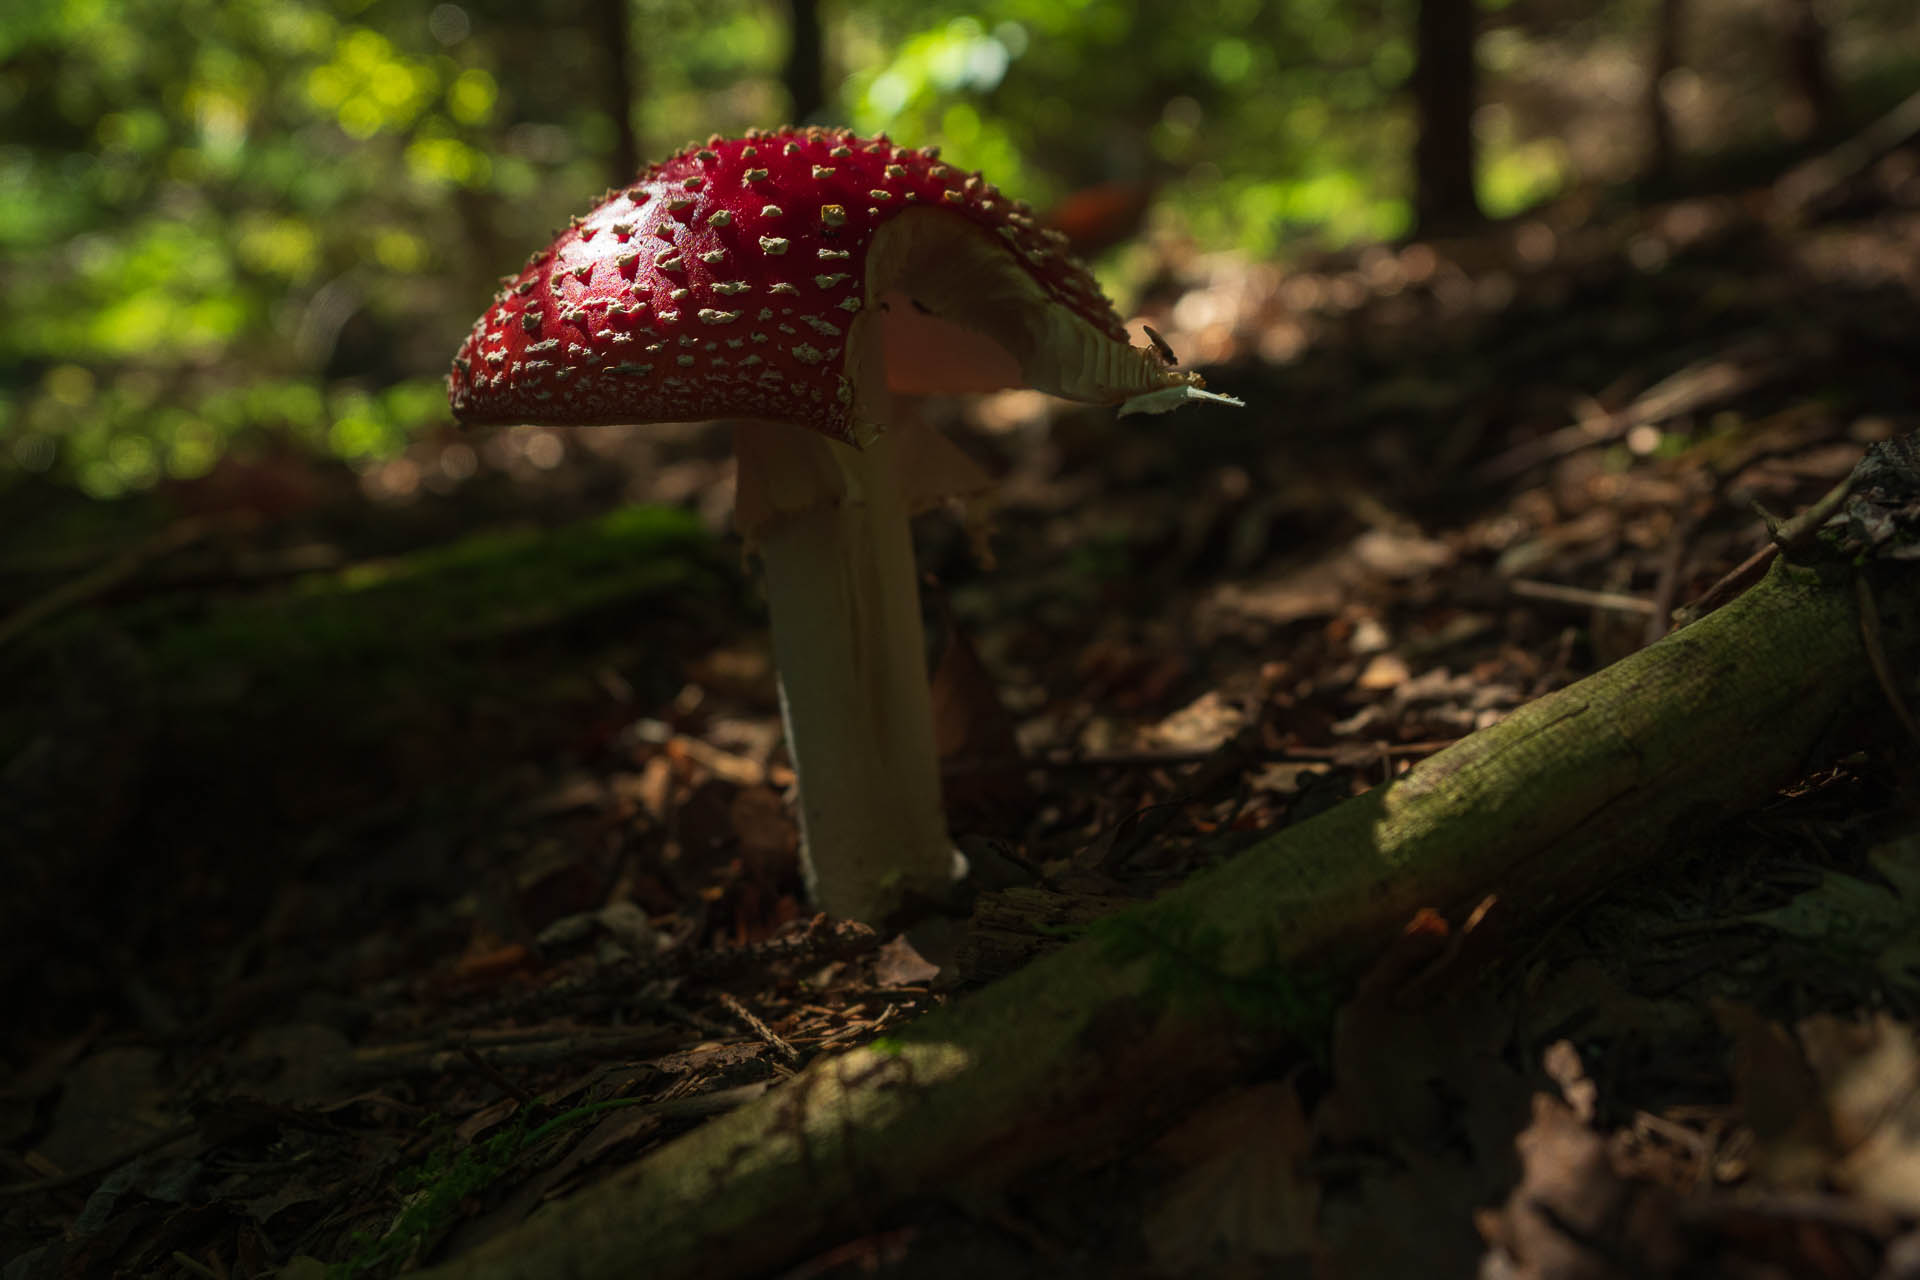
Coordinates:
793 276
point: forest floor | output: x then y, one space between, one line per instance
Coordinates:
397 851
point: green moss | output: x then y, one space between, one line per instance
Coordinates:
490 585
1184 954
339 671
436 1188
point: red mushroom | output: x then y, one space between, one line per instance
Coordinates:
797 279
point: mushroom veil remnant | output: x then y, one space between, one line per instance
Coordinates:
794 281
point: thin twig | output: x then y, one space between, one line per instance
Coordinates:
165 1138
1791 535
198 1268
496 1076
1850 1213
1731 584
1784 535
855 1030
1615 601
1734 371
966 765
1877 655
752 1022
436 1059
89 586
824 940
1667 588
1812 182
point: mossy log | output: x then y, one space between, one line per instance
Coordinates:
1091 1045
228 727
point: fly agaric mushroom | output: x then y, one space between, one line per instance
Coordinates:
795 280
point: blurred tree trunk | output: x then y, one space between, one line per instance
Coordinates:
1812 108
1661 151
1445 93
805 72
613 24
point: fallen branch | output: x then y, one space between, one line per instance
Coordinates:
1742 367
1094 1045
98 582
1801 191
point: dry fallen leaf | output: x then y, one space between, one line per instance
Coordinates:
112 1100
899 964
1573 1216
1384 671
1401 555
1869 1073
1244 1194
1202 725
1424 1106
1779 1098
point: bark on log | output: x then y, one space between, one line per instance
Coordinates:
1095 1043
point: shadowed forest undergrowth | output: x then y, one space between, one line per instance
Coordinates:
389 862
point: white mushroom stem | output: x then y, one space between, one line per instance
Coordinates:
945 306
831 526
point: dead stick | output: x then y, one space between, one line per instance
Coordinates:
495 1075
1874 641
165 1138
1583 597
759 1028
89 586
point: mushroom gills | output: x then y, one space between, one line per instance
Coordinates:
960 313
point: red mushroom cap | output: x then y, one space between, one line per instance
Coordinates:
727 281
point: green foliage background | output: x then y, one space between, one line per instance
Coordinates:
223 221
